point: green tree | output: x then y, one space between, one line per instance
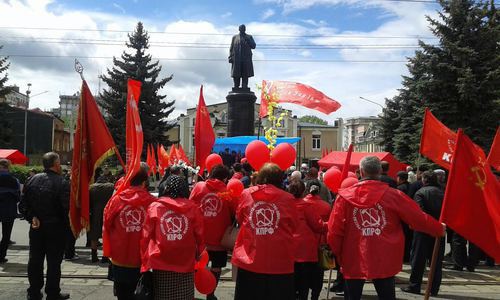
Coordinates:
152 107
313 119
5 126
458 79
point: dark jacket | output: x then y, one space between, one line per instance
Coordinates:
430 199
414 187
385 178
404 187
46 196
99 195
240 55
9 197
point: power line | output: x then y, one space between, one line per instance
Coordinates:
215 59
219 34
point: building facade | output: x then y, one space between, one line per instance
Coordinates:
363 133
15 98
314 137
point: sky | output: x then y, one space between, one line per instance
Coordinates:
345 48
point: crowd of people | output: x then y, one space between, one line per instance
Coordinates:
281 220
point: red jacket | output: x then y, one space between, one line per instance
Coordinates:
307 236
268 219
237 175
123 220
322 208
365 232
172 236
215 205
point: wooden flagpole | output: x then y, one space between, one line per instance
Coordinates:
435 252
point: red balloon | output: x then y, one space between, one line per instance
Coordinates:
204 281
348 182
352 174
212 160
235 187
257 154
332 179
283 155
202 263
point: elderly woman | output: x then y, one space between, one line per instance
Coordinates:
264 251
172 239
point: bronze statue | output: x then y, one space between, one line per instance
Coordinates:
240 56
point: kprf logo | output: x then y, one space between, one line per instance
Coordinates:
264 218
132 218
173 225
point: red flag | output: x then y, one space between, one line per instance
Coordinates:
437 141
323 153
494 156
204 136
92 145
182 155
161 166
347 163
163 159
151 160
134 134
174 157
297 93
471 204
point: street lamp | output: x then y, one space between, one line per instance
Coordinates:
371 101
28 92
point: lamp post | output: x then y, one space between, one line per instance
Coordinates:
371 101
28 92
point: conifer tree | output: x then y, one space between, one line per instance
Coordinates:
5 126
136 64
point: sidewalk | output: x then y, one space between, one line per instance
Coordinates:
86 280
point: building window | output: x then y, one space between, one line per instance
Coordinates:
316 141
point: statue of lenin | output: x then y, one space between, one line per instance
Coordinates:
240 56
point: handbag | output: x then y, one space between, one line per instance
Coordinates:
229 238
326 260
144 287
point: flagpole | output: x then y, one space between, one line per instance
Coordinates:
435 252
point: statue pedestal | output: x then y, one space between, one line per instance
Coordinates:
240 112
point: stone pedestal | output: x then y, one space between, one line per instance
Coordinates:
240 112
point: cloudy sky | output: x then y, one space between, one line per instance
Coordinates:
345 48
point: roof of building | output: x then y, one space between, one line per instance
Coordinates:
312 125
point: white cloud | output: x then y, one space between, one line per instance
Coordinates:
226 15
343 81
267 14
119 7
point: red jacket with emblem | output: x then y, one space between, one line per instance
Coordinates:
268 220
172 236
123 220
216 208
365 232
307 236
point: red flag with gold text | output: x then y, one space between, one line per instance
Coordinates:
471 204
494 156
297 93
92 145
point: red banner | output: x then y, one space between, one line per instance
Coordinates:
173 155
92 145
437 141
204 136
297 93
471 204
347 163
494 156
151 160
182 155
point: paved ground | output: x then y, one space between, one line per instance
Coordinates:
85 280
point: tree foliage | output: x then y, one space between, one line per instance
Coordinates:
313 120
458 79
136 64
5 126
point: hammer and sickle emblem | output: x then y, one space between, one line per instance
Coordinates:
480 176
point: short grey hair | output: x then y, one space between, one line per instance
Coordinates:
370 166
49 160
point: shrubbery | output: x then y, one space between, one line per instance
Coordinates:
22 172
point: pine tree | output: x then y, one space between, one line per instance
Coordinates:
5 126
458 79
153 110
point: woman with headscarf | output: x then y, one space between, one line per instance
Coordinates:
264 252
308 274
172 239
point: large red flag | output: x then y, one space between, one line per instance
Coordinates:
151 160
494 156
437 141
204 136
163 159
471 204
347 163
297 93
174 157
92 145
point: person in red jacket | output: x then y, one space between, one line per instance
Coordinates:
310 226
215 204
264 251
124 217
365 231
172 239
